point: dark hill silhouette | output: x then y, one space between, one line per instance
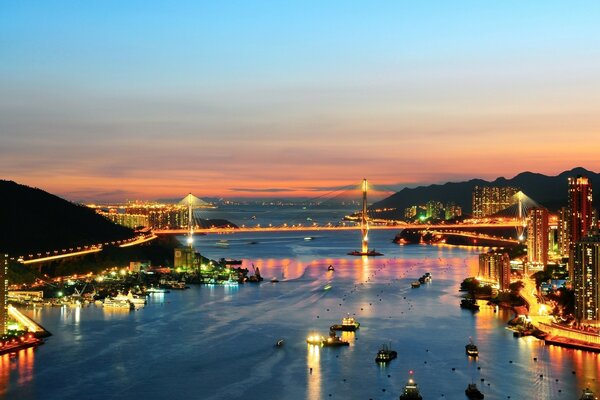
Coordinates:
549 191
34 221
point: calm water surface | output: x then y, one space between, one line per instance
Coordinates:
214 342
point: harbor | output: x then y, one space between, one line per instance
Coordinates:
426 327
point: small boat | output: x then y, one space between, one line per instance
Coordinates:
279 343
315 340
274 280
309 238
370 253
471 349
472 392
230 262
470 304
330 268
588 395
415 284
334 341
223 243
411 391
348 324
385 354
153 289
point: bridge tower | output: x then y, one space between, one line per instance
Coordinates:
364 227
364 223
522 216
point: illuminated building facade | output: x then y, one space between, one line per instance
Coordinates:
3 293
586 275
537 236
563 232
495 267
185 258
452 211
580 208
129 220
435 210
488 200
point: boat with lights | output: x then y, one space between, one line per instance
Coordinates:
334 341
588 395
385 354
471 349
348 324
315 340
411 390
113 302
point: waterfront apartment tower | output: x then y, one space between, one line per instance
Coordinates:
586 276
488 200
537 237
580 208
3 293
495 267
563 232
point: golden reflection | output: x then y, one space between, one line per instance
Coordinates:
25 365
4 373
314 371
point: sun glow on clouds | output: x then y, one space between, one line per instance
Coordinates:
271 99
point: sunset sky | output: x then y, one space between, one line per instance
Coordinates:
115 100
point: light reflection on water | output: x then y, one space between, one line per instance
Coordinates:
216 342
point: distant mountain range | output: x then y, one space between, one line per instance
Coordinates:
549 191
32 221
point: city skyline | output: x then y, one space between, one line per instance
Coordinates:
126 101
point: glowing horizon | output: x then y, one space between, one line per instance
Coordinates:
140 100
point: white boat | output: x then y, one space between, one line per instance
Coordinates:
113 302
137 300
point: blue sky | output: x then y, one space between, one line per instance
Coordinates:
153 99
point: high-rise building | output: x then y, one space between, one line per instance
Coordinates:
580 208
537 236
410 213
586 276
452 211
3 293
488 200
495 267
563 232
434 209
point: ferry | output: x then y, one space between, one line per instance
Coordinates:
348 324
334 341
114 303
472 392
588 395
471 349
385 354
411 391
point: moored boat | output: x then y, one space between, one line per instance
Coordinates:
470 304
334 341
385 354
472 392
588 395
411 390
471 349
110 302
348 324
